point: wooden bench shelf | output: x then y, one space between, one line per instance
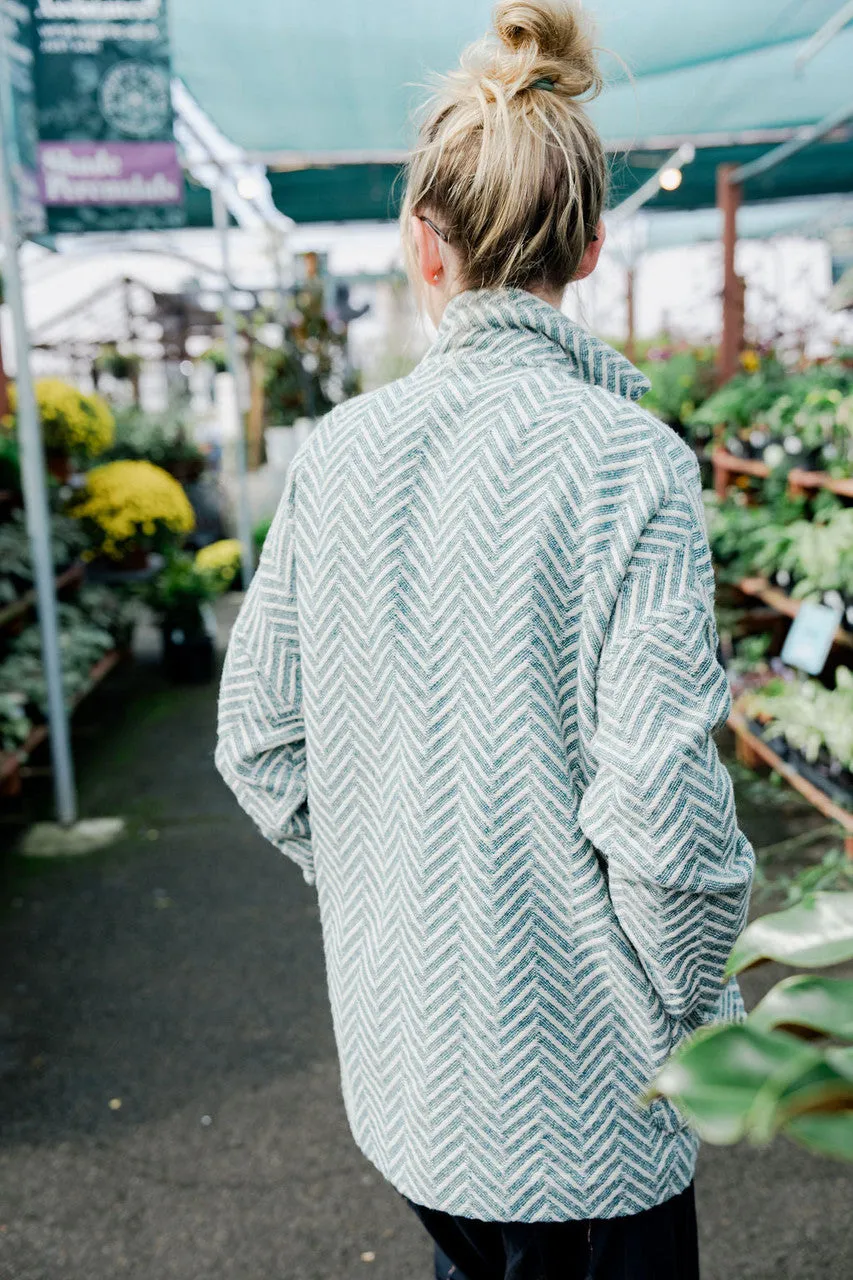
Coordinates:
725 465
761 589
9 612
11 761
752 750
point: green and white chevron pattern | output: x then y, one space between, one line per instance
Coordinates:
480 649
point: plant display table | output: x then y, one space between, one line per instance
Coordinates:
752 750
778 600
726 466
12 762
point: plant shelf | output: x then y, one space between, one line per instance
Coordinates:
761 589
69 578
725 465
11 761
752 750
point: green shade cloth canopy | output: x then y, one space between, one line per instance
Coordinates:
812 217
323 94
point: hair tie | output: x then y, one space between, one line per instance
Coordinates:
545 82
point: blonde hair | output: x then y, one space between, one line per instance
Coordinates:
508 163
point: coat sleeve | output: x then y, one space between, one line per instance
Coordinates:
261 750
660 806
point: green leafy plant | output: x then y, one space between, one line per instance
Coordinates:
833 872
788 1068
163 439
803 419
751 651
810 717
259 533
67 541
15 724
110 609
819 554
189 582
748 539
10 468
216 357
743 400
180 585
681 380
81 645
117 364
308 374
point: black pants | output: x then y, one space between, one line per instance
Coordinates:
659 1244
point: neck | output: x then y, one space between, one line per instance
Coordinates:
554 297
437 301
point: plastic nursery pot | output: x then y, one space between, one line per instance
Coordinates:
58 466
133 562
189 653
847 616
185 470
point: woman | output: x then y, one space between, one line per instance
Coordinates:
480 651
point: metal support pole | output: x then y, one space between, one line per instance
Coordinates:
244 519
802 139
824 35
631 309
33 471
731 342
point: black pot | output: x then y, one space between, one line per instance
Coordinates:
189 649
847 618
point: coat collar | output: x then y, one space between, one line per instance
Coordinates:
514 326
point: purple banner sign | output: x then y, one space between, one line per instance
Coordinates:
110 173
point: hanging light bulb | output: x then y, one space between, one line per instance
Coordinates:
670 179
249 186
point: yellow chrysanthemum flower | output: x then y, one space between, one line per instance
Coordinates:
223 556
750 361
72 421
220 560
128 501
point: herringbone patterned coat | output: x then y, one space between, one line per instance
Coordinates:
480 651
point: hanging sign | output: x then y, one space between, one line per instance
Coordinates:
107 154
810 637
19 42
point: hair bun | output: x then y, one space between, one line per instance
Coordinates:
553 31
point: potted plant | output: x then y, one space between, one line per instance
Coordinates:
124 368
164 440
15 723
181 597
217 359
681 380
129 509
74 423
811 726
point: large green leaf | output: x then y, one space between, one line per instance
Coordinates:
841 1060
815 933
823 1005
728 1081
827 1134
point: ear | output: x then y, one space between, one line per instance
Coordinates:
429 252
589 261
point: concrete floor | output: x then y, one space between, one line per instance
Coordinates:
169 1096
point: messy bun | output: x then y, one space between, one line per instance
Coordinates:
550 33
507 161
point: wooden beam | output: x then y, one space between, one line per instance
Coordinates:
731 342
